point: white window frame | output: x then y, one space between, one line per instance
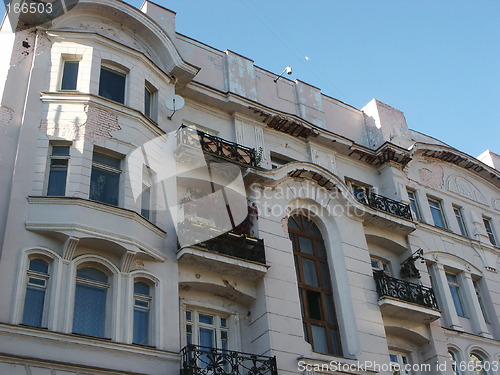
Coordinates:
57 157
488 226
153 101
458 211
439 208
46 278
414 205
381 265
217 326
150 308
71 59
400 359
457 285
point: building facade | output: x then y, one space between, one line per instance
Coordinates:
261 228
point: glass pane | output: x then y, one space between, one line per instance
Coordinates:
145 201
57 181
310 273
60 150
223 322
33 306
141 304
188 315
301 298
313 229
306 245
314 303
207 337
70 75
141 327
107 160
36 281
39 265
455 294
112 85
141 288
320 343
93 274
104 186
335 342
292 224
147 102
90 310
321 249
330 309
325 276
207 319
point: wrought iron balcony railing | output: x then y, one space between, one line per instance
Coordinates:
217 146
202 360
388 205
403 290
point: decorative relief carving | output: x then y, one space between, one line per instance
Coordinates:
465 188
433 178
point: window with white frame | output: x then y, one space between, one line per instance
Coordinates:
58 170
147 194
412 197
380 265
105 178
399 363
489 230
477 288
91 294
438 217
460 220
142 313
207 329
150 99
112 83
456 294
69 78
36 292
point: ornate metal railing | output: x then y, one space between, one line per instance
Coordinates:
236 245
388 286
217 146
202 360
388 205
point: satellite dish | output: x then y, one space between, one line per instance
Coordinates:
174 102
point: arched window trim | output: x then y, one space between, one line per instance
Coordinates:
51 296
458 357
320 257
482 356
155 337
112 308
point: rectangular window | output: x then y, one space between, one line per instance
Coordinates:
455 293
477 288
460 220
58 171
69 75
437 213
105 178
414 204
148 101
489 230
277 160
112 84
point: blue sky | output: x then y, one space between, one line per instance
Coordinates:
437 61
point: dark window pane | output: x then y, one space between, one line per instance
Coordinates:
306 245
60 150
141 327
325 276
33 306
330 310
207 319
319 339
112 85
147 102
90 310
310 274
107 160
292 224
188 315
39 265
314 302
93 274
104 186
146 201
70 75
141 288
334 335
57 178
321 249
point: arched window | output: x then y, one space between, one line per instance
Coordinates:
454 361
315 288
142 308
36 290
89 317
480 367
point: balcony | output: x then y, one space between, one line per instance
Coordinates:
406 300
229 253
215 146
379 202
201 360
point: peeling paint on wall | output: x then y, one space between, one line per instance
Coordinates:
6 115
99 125
23 46
433 178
